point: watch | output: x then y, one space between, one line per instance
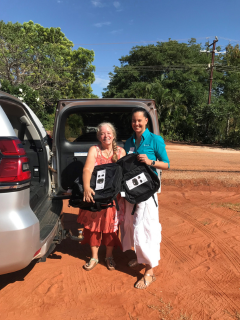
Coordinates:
153 163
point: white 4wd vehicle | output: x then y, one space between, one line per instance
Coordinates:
30 194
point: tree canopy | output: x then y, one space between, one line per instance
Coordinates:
177 76
40 66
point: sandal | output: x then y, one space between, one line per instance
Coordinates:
145 282
88 265
111 265
133 263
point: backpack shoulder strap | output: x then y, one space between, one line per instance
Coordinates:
134 209
116 203
154 200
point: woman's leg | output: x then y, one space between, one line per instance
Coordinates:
147 238
94 239
109 251
92 261
110 240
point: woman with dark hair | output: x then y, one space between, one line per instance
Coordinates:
143 230
101 227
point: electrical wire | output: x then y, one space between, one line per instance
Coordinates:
160 68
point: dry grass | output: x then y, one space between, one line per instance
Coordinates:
131 317
235 316
184 317
164 310
205 222
232 206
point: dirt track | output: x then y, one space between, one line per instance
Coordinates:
198 275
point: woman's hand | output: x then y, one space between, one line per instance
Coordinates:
88 195
144 158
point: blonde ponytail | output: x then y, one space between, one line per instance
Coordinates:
114 146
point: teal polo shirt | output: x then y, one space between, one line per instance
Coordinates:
151 145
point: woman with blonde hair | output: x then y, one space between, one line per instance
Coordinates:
101 227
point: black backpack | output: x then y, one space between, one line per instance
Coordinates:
139 182
106 183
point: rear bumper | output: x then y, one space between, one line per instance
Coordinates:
19 231
46 243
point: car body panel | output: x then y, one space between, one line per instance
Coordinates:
19 225
19 231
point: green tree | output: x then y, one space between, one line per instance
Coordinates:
41 63
176 75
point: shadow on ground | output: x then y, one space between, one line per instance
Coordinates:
9 278
83 252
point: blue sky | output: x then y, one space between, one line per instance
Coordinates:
111 28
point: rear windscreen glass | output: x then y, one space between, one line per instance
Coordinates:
82 126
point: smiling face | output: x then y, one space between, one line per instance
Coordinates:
139 122
105 135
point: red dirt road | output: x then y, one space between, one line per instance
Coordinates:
198 276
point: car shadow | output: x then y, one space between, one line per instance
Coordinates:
6 279
77 250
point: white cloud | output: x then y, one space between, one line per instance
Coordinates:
116 4
103 83
100 24
98 3
116 31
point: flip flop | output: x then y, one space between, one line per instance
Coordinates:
145 282
133 263
87 265
111 265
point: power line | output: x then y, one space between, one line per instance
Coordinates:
130 42
231 40
147 42
128 68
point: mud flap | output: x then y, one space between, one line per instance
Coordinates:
50 250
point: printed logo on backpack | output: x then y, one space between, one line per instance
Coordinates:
135 180
139 182
106 183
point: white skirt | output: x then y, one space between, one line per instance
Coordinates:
142 231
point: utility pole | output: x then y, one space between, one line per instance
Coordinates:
212 65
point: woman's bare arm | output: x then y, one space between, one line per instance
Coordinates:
123 153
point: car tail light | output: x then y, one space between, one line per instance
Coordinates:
12 170
14 167
37 252
11 147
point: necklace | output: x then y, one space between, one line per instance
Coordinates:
108 154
